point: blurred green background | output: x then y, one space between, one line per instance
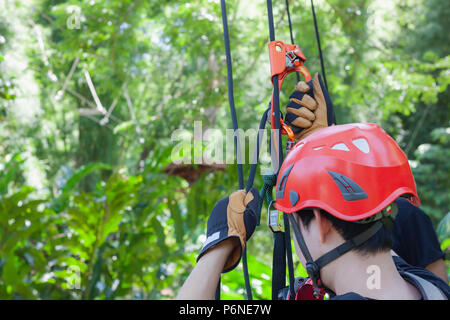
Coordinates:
91 205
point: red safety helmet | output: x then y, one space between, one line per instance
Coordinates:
352 171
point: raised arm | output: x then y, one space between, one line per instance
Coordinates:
202 282
230 225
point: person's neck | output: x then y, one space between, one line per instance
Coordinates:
372 276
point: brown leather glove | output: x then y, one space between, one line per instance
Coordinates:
310 108
234 216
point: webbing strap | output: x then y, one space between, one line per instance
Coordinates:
348 245
278 264
299 237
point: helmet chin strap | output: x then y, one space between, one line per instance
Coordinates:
313 267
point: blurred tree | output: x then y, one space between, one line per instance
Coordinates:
431 171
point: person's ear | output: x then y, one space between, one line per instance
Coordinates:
323 224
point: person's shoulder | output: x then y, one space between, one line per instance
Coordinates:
413 235
406 208
403 267
410 216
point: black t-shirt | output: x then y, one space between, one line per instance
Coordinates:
413 236
403 267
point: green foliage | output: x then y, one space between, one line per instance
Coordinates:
6 92
22 224
443 231
61 201
432 173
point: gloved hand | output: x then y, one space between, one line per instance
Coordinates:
310 108
233 216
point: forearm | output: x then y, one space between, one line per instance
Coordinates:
439 269
202 282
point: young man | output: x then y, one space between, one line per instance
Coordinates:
338 187
413 236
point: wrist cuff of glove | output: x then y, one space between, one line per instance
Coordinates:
232 217
215 238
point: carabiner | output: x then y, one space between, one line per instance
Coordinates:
285 59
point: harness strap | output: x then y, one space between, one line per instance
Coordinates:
278 264
428 290
299 237
348 245
313 267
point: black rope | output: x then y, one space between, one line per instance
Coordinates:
217 294
290 31
255 160
230 92
276 93
248 289
316 28
236 137
270 17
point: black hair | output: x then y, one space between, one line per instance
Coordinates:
380 242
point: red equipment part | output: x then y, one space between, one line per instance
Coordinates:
305 290
285 59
